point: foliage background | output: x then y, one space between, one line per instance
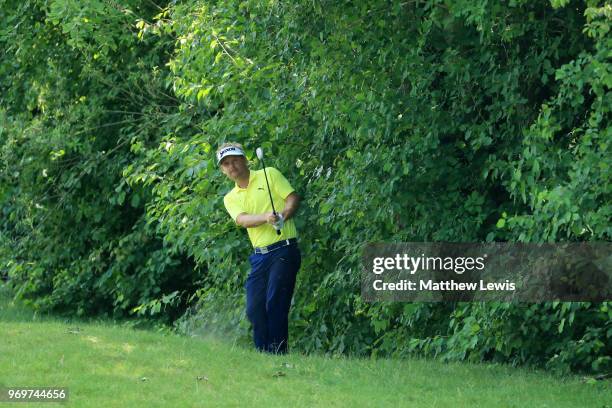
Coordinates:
457 121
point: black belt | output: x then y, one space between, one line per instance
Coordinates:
276 245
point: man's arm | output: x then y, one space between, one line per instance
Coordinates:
253 220
292 202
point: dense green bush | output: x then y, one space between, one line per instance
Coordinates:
458 121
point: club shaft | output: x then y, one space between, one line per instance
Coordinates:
269 192
268 184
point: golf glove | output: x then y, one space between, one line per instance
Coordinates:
278 225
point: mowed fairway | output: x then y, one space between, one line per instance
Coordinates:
104 365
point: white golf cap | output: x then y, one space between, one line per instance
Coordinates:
229 151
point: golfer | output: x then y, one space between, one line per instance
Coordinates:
276 258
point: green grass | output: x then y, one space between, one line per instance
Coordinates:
106 365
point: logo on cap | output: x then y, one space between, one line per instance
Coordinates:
229 151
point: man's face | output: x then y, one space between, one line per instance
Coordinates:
234 167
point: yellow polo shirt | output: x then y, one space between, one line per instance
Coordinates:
254 199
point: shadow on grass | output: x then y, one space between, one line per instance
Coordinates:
12 310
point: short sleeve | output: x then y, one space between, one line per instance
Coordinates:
233 207
279 183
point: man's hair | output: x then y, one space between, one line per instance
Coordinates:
229 144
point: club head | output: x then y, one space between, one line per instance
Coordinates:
259 153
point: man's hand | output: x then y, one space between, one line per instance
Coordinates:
270 217
277 220
278 225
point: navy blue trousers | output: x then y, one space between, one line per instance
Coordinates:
269 288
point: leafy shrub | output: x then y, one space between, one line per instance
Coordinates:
466 121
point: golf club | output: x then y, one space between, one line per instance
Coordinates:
259 152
